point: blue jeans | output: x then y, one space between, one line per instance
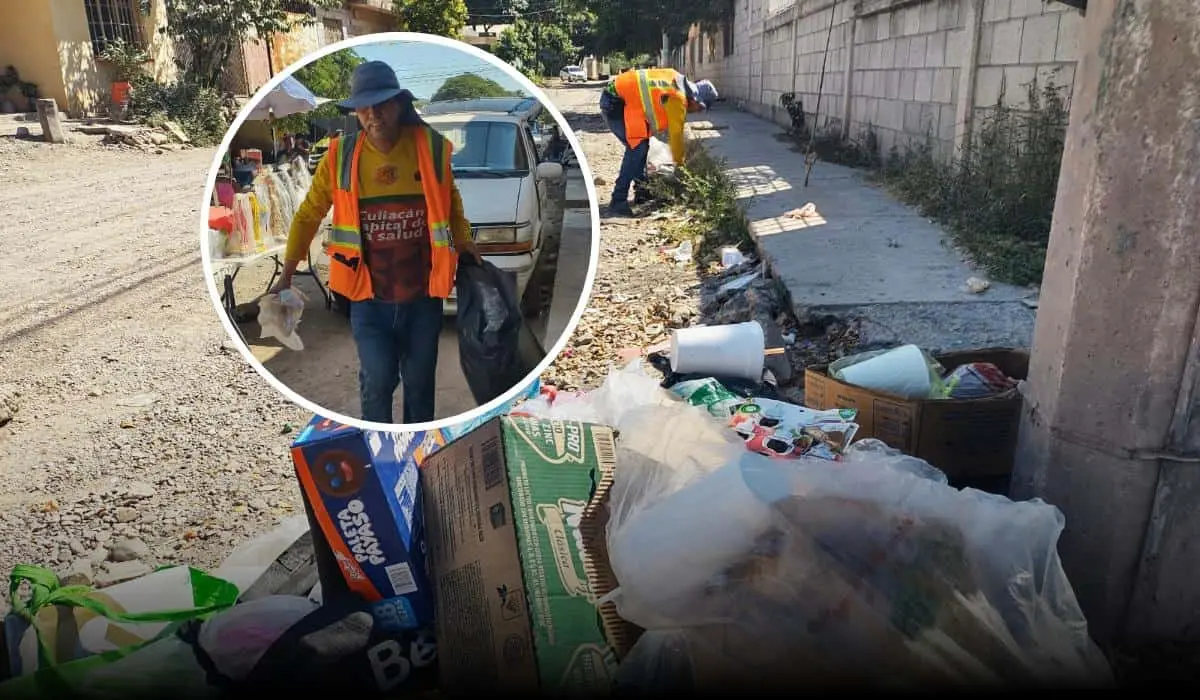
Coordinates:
633 164
397 342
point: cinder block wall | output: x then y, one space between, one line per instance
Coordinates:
906 68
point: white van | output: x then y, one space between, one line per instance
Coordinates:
505 189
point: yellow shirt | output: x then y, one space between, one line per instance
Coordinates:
676 116
403 161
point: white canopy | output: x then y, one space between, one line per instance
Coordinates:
287 98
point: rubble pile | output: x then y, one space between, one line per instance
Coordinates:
168 137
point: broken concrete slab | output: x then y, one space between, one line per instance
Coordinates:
862 252
52 129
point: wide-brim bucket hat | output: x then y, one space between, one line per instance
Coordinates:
372 83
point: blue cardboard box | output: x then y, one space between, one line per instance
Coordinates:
362 491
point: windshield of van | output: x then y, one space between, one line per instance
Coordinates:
486 149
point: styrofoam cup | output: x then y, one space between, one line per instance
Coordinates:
734 350
902 371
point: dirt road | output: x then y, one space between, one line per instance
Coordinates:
134 418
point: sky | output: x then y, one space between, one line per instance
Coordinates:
422 67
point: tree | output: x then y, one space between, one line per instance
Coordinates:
637 26
536 48
328 76
489 13
208 31
441 17
469 85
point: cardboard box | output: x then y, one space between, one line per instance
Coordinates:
362 493
515 608
970 440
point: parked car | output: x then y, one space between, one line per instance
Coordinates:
502 179
573 74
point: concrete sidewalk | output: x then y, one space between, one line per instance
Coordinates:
865 254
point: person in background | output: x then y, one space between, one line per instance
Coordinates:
637 105
398 230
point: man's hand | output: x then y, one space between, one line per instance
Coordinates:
285 282
468 248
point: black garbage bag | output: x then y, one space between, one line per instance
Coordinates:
489 329
740 386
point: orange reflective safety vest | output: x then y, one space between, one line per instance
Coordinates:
647 90
348 273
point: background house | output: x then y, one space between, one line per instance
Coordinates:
55 44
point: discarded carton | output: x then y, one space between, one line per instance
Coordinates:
362 493
515 608
972 441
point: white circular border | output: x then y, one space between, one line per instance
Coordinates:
529 87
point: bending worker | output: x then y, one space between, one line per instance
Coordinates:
638 104
398 229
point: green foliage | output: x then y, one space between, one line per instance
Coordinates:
200 110
712 217
536 48
489 13
997 196
466 86
440 17
328 76
637 26
209 30
127 60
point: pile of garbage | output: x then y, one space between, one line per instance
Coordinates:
169 136
638 537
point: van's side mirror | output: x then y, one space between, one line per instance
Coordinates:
549 171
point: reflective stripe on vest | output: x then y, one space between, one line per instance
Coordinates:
348 273
647 89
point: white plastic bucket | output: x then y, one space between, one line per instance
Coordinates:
902 371
734 350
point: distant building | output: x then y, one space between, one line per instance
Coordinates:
56 44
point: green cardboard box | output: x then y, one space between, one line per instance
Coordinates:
514 606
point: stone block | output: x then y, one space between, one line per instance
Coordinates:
912 118
986 34
908 85
995 10
935 50
887 54
956 47
923 87
891 88
912 19
949 14
943 85
928 21
1061 75
989 81
930 113
1006 42
1039 37
1070 24
52 128
1026 8
883 28
1016 81
916 51
891 114
947 122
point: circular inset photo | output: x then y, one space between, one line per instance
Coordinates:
387 234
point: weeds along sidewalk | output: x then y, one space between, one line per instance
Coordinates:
856 253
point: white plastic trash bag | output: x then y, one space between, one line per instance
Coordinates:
659 159
806 572
279 315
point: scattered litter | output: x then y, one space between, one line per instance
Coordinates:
740 282
808 211
976 380
731 257
906 371
680 254
279 315
977 285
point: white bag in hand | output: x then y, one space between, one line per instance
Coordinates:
279 314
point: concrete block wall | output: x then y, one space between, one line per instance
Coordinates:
906 69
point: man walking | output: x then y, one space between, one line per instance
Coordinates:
398 229
638 104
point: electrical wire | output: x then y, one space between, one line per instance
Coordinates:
810 158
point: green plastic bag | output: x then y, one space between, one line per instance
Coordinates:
210 595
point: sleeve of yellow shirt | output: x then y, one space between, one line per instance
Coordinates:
460 227
676 116
310 214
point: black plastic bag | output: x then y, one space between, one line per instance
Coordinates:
489 329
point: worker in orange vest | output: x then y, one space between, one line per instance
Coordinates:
638 104
398 230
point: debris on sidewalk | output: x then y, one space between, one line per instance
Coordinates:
977 285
